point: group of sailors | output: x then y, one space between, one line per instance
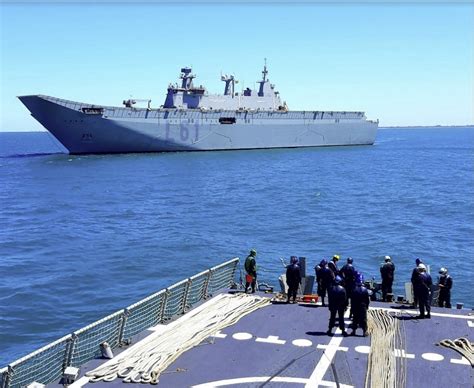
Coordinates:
345 286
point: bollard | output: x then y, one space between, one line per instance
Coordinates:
459 306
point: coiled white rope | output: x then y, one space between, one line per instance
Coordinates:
461 345
146 360
387 337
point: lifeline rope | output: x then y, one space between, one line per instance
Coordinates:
387 338
146 360
461 345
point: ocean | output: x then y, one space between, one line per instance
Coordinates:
83 236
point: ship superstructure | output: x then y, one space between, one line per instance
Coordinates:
191 119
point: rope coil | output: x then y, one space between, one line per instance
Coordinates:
146 360
384 370
461 345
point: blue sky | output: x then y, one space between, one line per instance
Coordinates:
403 64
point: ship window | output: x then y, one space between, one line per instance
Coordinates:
227 120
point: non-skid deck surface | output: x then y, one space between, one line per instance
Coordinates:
286 345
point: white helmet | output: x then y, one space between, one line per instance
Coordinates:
421 267
443 271
388 258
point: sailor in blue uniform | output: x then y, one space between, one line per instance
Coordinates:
326 277
424 284
359 304
337 305
348 274
293 278
445 284
333 265
415 275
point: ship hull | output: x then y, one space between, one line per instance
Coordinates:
85 128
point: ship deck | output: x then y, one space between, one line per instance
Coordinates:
287 345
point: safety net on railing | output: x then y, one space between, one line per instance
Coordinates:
87 340
198 288
43 366
47 364
222 276
144 314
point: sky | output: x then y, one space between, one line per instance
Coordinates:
404 64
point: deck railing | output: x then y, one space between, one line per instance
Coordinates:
46 365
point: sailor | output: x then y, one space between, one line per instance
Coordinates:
359 304
348 274
326 277
251 269
414 280
387 271
423 291
337 304
445 283
333 265
293 278
318 269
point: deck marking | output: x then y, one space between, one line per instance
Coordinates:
341 348
242 336
416 312
432 356
264 379
362 349
158 328
271 339
302 342
317 376
470 323
462 361
219 335
402 353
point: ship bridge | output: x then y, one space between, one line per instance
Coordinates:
187 96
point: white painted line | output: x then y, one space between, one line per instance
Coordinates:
470 323
402 353
158 328
416 312
462 361
242 336
271 339
362 349
264 379
219 335
302 342
341 348
316 378
432 356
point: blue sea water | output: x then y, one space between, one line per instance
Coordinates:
82 236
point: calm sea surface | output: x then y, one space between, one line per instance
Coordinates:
82 236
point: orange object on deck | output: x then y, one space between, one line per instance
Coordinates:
312 298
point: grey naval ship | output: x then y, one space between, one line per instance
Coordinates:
191 119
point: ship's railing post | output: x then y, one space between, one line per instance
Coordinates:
70 350
122 324
186 295
163 305
207 283
5 378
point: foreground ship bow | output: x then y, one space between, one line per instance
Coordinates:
193 120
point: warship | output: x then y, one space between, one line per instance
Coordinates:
191 119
